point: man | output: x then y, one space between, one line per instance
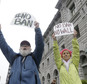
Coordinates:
67 62
24 69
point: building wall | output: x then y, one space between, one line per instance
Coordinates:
0 79
74 11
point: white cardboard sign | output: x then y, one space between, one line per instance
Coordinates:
63 29
24 19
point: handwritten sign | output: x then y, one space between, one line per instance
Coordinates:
24 19
63 29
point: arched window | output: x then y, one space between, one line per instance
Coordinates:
56 76
42 65
48 78
43 80
47 61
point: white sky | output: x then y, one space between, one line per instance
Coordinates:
42 10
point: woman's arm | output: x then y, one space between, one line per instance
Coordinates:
76 53
57 56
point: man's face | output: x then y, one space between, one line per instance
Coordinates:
25 50
66 55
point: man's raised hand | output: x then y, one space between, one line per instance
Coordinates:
36 24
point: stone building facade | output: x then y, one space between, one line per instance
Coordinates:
74 11
0 79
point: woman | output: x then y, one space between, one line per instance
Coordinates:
67 62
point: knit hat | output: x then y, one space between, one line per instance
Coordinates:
24 42
64 50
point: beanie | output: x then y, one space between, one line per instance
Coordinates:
64 50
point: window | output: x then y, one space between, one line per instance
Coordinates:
48 61
55 76
43 80
48 78
42 65
77 29
83 10
62 47
48 45
86 3
72 9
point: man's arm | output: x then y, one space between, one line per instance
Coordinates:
5 48
39 44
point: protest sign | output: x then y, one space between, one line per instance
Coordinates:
63 29
24 19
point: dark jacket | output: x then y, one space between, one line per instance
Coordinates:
24 72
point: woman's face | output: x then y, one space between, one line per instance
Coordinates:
66 55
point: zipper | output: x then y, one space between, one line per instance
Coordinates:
21 69
23 61
21 74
